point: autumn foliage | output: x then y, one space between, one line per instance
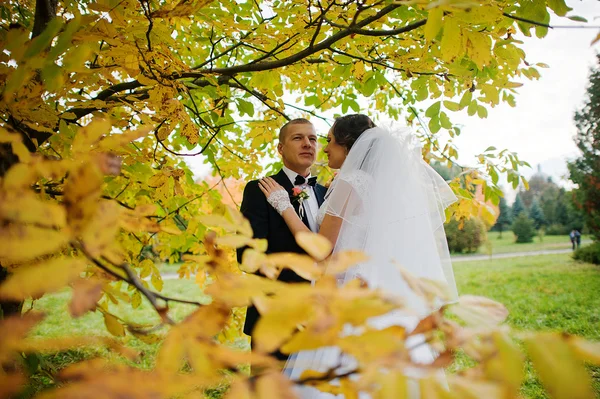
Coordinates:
102 100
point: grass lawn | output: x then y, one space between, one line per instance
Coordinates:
507 243
542 293
550 292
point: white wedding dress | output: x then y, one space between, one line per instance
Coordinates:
392 207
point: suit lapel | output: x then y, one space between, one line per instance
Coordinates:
320 193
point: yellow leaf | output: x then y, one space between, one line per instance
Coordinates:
561 373
28 208
434 23
36 280
117 140
90 134
341 261
359 70
452 40
217 221
22 242
11 384
315 245
233 241
585 350
508 365
392 385
136 300
86 294
479 48
157 281
13 330
169 227
273 384
479 311
278 322
375 344
302 265
100 233
252 260
260 244
82 191
113 325
469 388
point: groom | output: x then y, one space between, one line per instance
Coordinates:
297 147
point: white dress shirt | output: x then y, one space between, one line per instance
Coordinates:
311 205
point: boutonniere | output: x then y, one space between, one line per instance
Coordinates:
299 194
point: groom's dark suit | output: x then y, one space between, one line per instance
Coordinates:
267 223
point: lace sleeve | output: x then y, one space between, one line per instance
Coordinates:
348 194
359 181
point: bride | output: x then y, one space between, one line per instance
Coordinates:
387 202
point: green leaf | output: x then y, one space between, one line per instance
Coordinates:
559 7
245 107
494 175
42 42
445 121
466 99
577 18
482 112
422 92
491 148
472 110
452 106
433 110
434 23
434 125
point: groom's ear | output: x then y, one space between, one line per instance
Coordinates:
279 148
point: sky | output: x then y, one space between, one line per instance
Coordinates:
540 128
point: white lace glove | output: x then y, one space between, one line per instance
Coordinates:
280 200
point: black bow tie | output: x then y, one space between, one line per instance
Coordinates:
300 180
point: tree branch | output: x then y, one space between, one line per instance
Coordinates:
45 11
529 21
391 32
264 66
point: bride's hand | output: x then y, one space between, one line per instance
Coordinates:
276 195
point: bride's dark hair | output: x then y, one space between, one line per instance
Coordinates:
347 129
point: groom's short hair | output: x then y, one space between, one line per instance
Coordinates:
297 121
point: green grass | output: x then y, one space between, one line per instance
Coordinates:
542 293
507 243
58 323
549 293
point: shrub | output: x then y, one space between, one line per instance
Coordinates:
589 253
469 238
557 230
523 228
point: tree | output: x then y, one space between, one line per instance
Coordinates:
537 215
504 217
538 185
102 100
585 170
518 206
523 227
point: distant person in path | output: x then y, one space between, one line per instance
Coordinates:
578 238
572 237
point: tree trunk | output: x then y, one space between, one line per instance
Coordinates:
45 11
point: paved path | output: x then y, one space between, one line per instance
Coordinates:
458 258
470 258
